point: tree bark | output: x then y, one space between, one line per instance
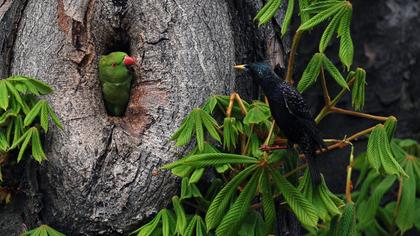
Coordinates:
103 173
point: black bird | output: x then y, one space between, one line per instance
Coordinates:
290 112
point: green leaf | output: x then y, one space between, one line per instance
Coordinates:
259 113
212 159
390 126
26 137
329 66
196 176
147 229
33 113
4 95
44 117
54 117
220 202
17 96
358 91
304 16
406 213
189 231
321 16
303 209
347 221
346 44
329 31
287 17
43 230
37 151
4 145
368 213
311 72
238 211
181 219
268 11
210 104
211 125
199 132
267 200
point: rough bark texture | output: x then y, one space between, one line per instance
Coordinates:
103 173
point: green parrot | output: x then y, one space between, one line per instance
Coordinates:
115 81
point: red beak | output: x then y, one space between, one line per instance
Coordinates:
129 60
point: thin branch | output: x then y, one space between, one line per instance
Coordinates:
241 104
290 65
230 107
349 185
358 114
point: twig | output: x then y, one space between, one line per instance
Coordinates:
349 184
230 107
290 65
241 104
359 114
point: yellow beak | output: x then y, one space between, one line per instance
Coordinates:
239 67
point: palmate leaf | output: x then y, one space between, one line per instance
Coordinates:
4 95
379 152
34 86
189 190
333 71
303 209
318 6
358 91
168 222
287 17
253 224
195 227
194 122
149 228
406 212
304 15
321 16
367 214
268 11
212 159
347 223
43 230
231 130
16 96
311 72
181 218
42 110
237 212
4 145
259 113
329 31
219 204
346 44
390 126
267 200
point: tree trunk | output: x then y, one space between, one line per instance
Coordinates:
103 173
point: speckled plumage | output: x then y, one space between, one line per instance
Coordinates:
291 114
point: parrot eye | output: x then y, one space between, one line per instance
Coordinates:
114 65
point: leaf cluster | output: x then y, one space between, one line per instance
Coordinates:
23 118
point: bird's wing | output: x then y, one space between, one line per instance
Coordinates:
297 107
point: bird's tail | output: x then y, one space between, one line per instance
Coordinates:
313 167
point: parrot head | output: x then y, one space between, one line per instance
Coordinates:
114 67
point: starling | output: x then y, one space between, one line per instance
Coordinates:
290 112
